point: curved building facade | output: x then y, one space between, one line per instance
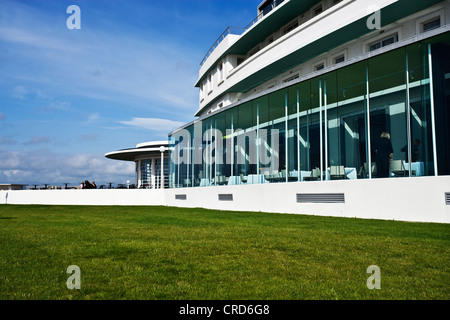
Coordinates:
322 90
151 159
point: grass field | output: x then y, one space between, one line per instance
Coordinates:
170 253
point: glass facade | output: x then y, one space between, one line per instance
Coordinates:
145 174
368 120
149 173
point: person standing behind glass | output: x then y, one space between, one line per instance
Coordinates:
383 155
414 151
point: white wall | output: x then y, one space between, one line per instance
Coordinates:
416 199
420 199
150 197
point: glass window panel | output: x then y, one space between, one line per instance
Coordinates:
247 118
421 144
293 134
205 175
388 125
305 113
173 168
351 119
222 168
264 128
198 147
246 141
441 84
232 117
146 174
277 113
277 102
189 180
331 139
178 167
315 135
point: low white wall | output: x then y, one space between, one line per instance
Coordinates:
407 199
85 197
419 199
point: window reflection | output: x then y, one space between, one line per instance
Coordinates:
334 126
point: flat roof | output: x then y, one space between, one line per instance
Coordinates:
152 144
150 149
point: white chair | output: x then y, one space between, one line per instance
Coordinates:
337 172
374 169
397 168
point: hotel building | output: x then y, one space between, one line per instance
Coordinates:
331 107
330 85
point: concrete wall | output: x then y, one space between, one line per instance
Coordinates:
145 197
416 199
420 199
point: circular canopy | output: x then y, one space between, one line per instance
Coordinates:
150 149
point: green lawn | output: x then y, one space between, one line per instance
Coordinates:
172 253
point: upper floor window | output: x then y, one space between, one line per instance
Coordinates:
291 27
319 66
339 59
253 51
210 87
383 42
317 10
431 24
220 71
202 91
292 78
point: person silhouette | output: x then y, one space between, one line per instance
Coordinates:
383 155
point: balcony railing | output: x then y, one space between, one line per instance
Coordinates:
229 30
239 30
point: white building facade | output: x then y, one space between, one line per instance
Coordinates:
324 96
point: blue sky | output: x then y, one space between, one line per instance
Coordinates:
127 76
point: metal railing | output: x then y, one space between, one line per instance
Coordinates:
229 30
238 30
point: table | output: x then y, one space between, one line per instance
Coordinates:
417 168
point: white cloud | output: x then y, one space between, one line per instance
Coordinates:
41 167
20 92
86 67
33 39
93 117
153 124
